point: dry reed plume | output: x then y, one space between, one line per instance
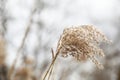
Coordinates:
82 43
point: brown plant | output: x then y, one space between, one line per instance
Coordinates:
3 67
82 43
24 73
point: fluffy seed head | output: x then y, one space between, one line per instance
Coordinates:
82 43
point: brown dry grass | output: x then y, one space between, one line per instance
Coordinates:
3 66
82 43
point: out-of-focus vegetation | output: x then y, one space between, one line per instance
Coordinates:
27 56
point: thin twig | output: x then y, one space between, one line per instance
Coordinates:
18 53
52 53
52 63
51 70
11 71
53 60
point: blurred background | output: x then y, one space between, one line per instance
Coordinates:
30 28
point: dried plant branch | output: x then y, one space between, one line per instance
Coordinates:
52 66
81 43
52 53
11 71
18 53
